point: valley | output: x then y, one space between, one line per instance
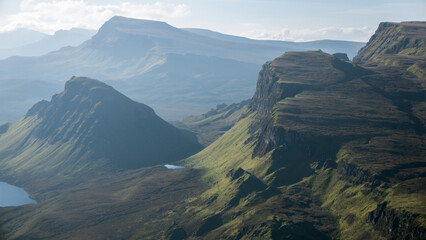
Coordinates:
326 148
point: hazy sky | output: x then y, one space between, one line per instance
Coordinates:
294 20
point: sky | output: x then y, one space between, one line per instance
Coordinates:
291 20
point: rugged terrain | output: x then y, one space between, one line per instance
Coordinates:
211 125
178 72
326 149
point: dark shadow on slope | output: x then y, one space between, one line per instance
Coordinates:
298 231
209 224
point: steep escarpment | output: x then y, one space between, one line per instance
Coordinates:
345 136
401 45
327 149
395 38
396 224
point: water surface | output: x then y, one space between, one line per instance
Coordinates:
169 166
13 196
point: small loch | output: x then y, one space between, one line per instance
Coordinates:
169 166
13 196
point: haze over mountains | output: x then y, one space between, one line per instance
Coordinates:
176 71
38 44
19 38
325 149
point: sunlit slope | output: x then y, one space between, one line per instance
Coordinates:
400 45
322 128
211 125
327 149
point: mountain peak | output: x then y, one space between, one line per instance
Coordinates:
90 89
135 26
126 20
82 83
136 34
92 116
83 94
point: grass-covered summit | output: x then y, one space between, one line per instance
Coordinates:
401 45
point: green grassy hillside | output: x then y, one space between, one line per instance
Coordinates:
398 44
326 149
86 127
210 126
330 133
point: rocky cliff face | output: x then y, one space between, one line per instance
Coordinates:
328 149
396 224
397 44
269 91
341 125
395 38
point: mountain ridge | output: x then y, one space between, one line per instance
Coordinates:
333 132
398 44
132 55
20 37
327 149
49 43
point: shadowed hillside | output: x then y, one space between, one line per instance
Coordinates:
327 149
89 126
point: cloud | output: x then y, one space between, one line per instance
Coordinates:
338 33
50 16
367 11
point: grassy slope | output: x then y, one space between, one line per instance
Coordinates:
398 44
225 191
79 191
373 119
89 127
380 139
134 204
210 126
254 211
18 146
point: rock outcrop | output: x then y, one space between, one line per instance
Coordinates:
396 224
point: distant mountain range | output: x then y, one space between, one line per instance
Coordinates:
19 38
178 72
31 43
